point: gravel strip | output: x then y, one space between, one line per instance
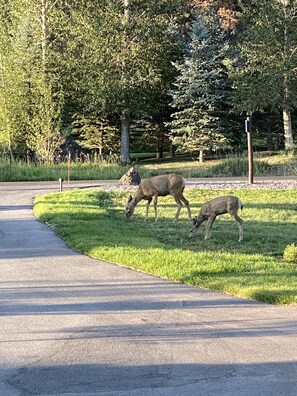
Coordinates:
220 185
238 185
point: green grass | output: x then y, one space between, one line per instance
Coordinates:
92 222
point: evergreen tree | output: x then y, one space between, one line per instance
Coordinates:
201 89
96 133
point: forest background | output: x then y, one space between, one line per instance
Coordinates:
101 78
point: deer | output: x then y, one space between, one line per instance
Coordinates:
215 207
159 186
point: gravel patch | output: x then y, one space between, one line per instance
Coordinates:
269 184
238 185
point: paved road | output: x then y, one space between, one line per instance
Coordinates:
71 325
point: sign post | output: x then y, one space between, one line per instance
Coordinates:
248 129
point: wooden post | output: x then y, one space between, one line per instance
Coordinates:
69 159
248 129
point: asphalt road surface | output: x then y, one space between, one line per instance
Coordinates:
72 325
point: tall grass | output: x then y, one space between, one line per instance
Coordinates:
233 166
21 171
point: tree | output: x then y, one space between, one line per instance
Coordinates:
32 96
151 134
201 89
265 72
227 11
45 89
125 52
97 134
13 90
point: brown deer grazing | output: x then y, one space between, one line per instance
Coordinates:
158 186
217 206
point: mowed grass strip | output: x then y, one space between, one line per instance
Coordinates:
92 222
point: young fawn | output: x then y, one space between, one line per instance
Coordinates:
215 207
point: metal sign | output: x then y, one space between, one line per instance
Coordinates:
248 125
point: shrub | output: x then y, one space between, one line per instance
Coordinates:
290 253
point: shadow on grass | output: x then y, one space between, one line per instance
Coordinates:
100 213
99 229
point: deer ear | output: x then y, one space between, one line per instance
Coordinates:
129 198
194 220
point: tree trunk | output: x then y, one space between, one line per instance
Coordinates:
125 138
288 133
125 117
11 158
269 140
159 153
201 155
172 150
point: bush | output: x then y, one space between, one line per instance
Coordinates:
290 253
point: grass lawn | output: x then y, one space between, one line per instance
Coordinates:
92 222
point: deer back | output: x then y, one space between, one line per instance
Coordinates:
220 205
162 185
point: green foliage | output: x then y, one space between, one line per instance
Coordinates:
290 253
31 100
264 74
13 90
96 133
201 88
93 222
128 53
148 134
104 61
45 138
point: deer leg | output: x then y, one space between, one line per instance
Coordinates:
208 227
239 222
179 206
156 207
149 200
186 202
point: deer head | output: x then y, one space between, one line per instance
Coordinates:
130 207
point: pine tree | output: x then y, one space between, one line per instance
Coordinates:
201 89
97 134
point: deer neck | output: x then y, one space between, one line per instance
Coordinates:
139 195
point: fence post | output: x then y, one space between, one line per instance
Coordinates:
61 184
